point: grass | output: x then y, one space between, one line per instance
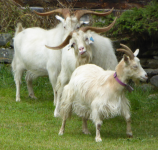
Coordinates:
30 124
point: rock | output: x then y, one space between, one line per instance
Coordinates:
38 9
152 96
149 63
155 57
4 38
151 72
6 55
154 80
150 53
146 87
12 43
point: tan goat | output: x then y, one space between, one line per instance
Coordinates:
96 94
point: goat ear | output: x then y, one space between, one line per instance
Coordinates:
136 52
91 40
126 59
60 18
90 37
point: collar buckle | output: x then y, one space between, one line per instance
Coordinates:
115 75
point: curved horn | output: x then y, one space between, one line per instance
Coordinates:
127 51
126 47
66 41
98 30
65 12
80 13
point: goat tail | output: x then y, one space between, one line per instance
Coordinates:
66 103
19 28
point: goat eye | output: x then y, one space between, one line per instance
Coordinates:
135 67
78 27
86 39
72 44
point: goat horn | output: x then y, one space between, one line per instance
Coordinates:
80 13
126 47
98 30
65 12
127 51
66 41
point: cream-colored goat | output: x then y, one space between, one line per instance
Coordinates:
31 53
85 46
96 94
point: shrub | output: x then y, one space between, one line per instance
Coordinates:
11 14
136 23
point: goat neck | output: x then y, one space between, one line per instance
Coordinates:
117 87
120 72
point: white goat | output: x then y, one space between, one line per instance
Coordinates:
95 94
88 47
32 55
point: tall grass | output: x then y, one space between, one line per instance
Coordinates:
30 124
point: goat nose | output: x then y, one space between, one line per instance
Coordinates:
81 48
146 75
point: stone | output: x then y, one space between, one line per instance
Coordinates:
38 9
155 57
146 87
12 43
150 53
149 63
154 80
6 55
153 96
151 72
4 38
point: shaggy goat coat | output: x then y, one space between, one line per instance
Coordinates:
100 52
92 91
95 94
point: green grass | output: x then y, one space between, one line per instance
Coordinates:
30 124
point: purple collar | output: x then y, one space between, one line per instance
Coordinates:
128 87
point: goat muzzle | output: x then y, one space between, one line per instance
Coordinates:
82 50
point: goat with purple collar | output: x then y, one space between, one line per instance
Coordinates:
84 46
96 94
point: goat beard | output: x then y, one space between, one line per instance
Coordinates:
136 81
83 60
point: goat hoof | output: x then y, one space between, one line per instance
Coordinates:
86 132
98 139
61 133
32 96
56 114
129 135
18 100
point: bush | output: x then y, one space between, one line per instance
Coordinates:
11 14
136 23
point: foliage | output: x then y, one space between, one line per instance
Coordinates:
11 14
30 124
136 23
